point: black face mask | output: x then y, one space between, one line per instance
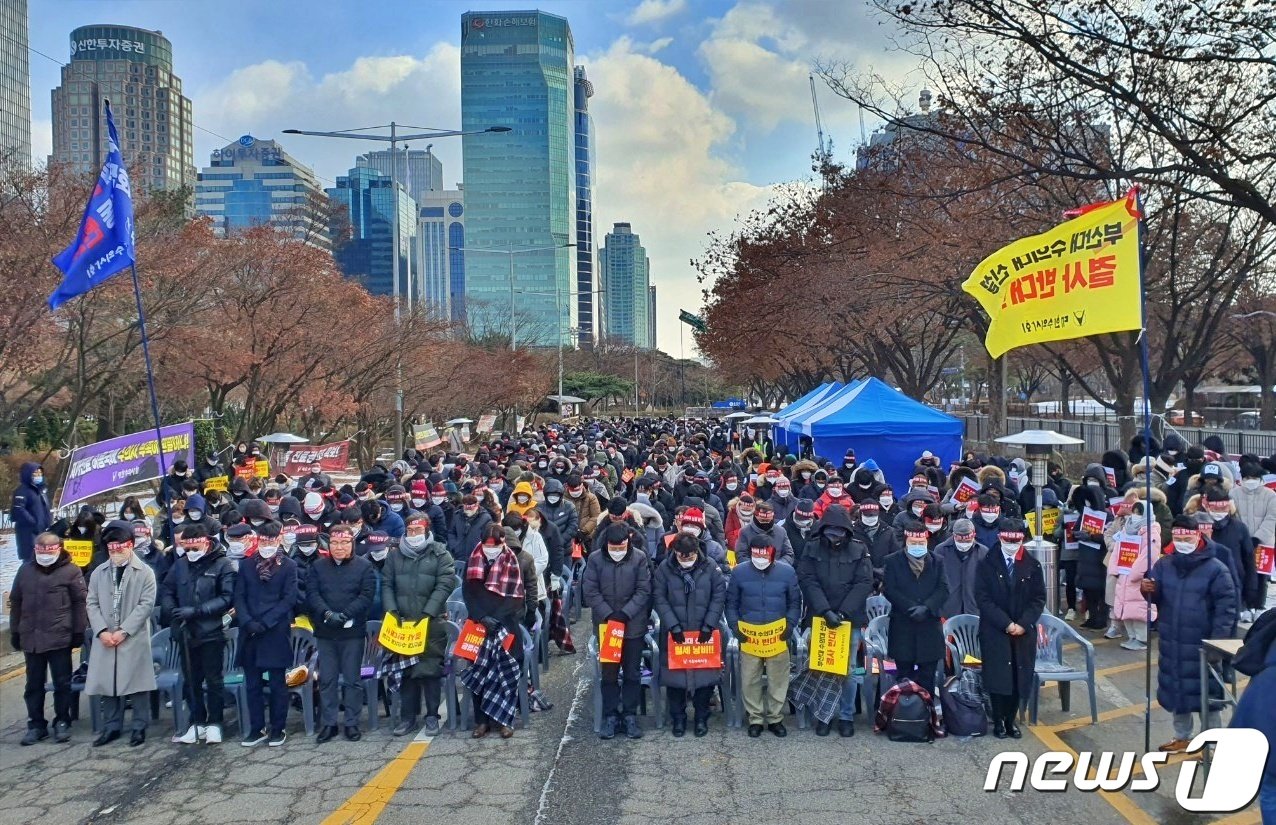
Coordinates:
836 535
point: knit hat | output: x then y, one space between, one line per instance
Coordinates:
693 516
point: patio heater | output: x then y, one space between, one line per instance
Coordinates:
1038 445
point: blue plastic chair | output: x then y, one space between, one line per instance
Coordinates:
961 636
1052 635
233 678
456 609
169 680
304 652
877 606
451 699
369 670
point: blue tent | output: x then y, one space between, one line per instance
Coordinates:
883 424
779 434
815 408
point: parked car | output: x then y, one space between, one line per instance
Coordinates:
1247 420
1177 417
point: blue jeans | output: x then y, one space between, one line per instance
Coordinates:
1267 801
851 687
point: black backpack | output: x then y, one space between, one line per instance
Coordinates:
963 707
910 719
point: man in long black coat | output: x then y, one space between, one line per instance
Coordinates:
1010 589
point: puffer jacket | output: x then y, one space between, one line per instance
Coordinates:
762 596
587 512
560 513
523 488
466 532
1128 602
48 606
1254 709
207 585
689 607
779 540
415 587
1197 600
836 577
30 512
1257 509
619 587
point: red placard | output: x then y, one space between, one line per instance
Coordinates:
1110 474
611 641
471 639
1269 481
965 490
1092 521
331 457
1265 559
1127 555
692 655
247 470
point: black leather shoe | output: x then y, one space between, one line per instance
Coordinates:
999 729
822 728
1012 730
845 728
34 735
136 738
106 737
352 733
778 729
701 727
755 731
679 728
326 734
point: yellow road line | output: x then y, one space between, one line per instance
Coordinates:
1104 716
1123 805
366 804
1125 668
20 670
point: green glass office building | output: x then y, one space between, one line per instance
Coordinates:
520 186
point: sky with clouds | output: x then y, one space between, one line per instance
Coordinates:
701 107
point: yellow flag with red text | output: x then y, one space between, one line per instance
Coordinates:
1081 278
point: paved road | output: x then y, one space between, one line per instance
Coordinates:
557 771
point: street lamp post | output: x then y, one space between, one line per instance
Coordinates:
510 253
393 139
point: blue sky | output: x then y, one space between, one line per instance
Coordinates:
701 106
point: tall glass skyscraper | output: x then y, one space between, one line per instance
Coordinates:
586 299
133 68
367 256
441 235
626 276
15 82
520 192
419 171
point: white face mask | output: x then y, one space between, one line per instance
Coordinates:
887 502
397 506
1251 483
989 518
835 492
964 546
691 530
119 559
1009 548
273 508
191 555
433 499
1092 482
379 555
761 562
617 555
1185 545
46 559
267 551
195 516
933 528
257 522
288 539
575 493
491 552
869 521
806 475
783 492
415 542
141 545
686 564
418 502
732 486
235 549
1219 515
307 549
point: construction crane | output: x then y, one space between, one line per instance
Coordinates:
823 150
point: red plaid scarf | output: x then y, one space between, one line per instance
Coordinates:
501 577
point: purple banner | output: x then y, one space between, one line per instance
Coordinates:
124 460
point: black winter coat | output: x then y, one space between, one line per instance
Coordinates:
349 588
691 608
1197 600
207 585
915 640
1232 533
464 534
881 545
1009 661
49 606
270 604
625 586
836 577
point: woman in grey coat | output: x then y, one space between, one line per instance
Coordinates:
120 602
690 594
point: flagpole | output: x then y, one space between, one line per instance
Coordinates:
150 384
1147 470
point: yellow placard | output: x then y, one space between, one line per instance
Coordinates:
407 639
1080 278
763 640
731 558
303 622
219 483
81 551
1049 517
830 647
262 468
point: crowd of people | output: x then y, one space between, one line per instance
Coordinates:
666 528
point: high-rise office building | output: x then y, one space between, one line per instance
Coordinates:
15 82
586 289
441 235
651 315
626 280
367 256
419 170
133 68
252 182
520 193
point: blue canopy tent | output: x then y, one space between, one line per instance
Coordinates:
778 432
883 424
811 410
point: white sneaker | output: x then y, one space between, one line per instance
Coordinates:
1112 632
190 737
1133 644
213 734
1070 616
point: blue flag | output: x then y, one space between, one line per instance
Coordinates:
104 244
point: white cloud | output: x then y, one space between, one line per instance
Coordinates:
653 11
657 45
41 140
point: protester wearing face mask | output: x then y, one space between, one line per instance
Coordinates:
496 597
196 595
241 542
266 590
1197 599
1131 549
340 590
1256 509
417 580
1011 592
692 521
877 537
690 596
150 550
764 526
121 599
987 519
836 577
782 500
47 617
557 510
834 493
739 515
798 527
915 586
467 529
588 510
959 557
761 592
171 485
1231 533
617 586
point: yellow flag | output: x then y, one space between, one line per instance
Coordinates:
1079 279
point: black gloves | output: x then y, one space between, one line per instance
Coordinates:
706 634
335 619
183 613
490 624
832 619
530 617
619 616
255 628
678 635
918 612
